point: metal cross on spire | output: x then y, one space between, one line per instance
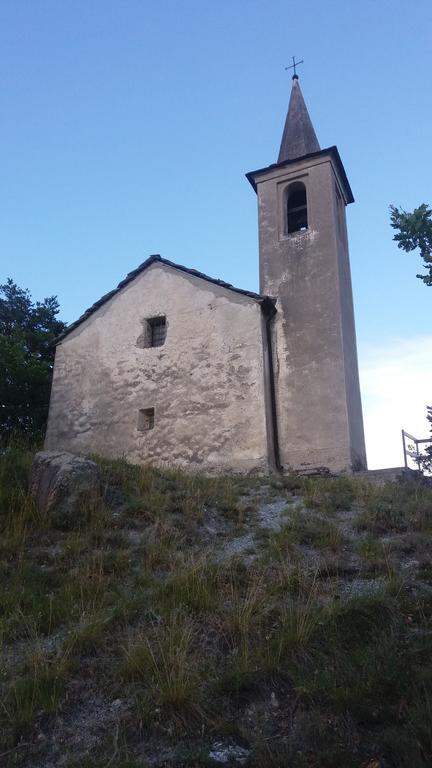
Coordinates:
294 65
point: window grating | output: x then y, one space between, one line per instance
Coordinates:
146 419
157 331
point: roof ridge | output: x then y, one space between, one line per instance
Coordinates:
262 299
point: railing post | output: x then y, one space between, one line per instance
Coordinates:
404 449
414 454
417 459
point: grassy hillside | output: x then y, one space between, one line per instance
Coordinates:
183 621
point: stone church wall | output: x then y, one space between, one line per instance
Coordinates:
205 384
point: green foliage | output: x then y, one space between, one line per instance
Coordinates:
414 230
15 463
424 460
27 333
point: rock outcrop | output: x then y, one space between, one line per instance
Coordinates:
66 487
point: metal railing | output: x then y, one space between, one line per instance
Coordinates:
411 450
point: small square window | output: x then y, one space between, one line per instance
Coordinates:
156 331
145 419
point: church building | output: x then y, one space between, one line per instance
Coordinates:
176 368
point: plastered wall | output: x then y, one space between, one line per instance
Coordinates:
206 383
318 398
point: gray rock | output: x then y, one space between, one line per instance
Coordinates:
228 753
360 587
65 486
272 515
239 545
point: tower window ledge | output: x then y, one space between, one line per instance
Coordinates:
299 235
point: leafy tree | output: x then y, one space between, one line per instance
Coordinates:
414 230
27 333
427 456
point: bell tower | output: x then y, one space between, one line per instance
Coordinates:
304 264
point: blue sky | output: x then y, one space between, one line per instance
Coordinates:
127 128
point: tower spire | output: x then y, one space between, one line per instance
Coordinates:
299 137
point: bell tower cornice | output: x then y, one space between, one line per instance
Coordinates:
332 153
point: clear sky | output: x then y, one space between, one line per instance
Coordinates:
128 125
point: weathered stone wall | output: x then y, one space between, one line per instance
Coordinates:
206 383
318 397
349 342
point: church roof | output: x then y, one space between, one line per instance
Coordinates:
299 137
267 303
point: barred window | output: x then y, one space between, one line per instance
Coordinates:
154 332
146 419
157 331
